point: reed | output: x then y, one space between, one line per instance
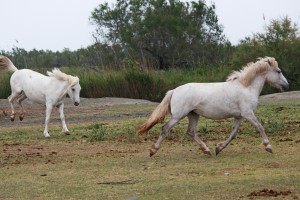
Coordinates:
132 83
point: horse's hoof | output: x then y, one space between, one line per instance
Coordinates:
12 119
46 135
153 150
207 152
269 150
151 153
21 118
268 147
218 150
67 133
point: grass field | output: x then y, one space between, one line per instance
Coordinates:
108 160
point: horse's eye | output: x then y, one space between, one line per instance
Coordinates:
278 71
73 89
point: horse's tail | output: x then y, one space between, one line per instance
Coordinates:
158 115
6 64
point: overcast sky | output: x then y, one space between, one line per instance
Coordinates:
58 24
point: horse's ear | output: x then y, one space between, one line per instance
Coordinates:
75 80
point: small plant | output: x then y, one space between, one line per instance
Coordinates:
274 126
204 130
98 133
271 126
132 136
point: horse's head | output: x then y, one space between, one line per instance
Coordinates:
274 75
74 91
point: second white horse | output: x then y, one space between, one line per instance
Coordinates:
237 98
49 90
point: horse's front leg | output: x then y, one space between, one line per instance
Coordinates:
63 121
48 114
235 128
253 120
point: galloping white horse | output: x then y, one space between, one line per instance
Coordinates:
237 98
49 90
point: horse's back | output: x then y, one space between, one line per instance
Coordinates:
32 83
212 100
204 91
27 77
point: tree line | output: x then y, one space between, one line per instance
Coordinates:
167 34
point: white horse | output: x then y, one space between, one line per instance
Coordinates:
237 98
49 90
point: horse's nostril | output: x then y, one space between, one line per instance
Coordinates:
76 103
286 86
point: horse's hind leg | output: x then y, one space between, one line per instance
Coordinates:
163 134
235 128
11 100
193 121
20 99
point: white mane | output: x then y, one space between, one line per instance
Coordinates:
56 73
249 72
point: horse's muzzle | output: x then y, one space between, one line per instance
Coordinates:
76 103
285 87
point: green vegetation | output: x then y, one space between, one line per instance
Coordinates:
137 84
129 77
109 160
163 33
281 40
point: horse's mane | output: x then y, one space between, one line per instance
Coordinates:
249 72
56 73
5 63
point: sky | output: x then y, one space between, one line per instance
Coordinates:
58 24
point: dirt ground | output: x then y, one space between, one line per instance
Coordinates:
283 95
59 167
93 109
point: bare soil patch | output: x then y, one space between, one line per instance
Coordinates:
269 193
89 110
283 95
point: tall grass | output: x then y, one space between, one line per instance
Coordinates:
151 84
4 84
132 83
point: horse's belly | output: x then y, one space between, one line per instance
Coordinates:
34 94
35 97
216 113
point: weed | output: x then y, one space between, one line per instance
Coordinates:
132 135
204 129
274 126
98 133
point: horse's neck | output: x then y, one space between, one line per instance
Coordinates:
258 84
61 88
